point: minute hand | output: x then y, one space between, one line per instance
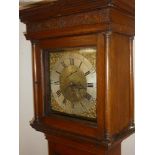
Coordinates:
71 74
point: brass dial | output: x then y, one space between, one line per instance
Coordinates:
73 84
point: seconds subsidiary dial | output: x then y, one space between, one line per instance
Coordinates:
73 82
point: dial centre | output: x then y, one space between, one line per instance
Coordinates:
73 83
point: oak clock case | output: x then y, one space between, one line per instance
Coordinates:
72 82
82 59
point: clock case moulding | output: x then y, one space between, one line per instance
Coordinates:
108 25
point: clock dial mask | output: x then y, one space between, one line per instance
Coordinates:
73 81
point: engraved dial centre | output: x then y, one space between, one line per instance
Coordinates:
73 83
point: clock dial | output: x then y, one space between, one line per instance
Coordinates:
73 81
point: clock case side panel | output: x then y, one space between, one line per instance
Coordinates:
119 117
62 123
37 82
68 146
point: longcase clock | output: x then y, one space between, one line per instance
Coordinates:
82 56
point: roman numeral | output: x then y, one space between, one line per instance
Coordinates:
90 85
82 104
88 96
71 61
87 73
80 64
72 105
64 101
58 93
57 82
63 64
92 70
58 72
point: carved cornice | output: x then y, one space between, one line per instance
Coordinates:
89 18
67 15
68 7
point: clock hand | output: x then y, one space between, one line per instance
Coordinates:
71 74
76 86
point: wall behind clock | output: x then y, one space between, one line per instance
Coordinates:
31 141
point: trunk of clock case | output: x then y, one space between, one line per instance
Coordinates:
59 145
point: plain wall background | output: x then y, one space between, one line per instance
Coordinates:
33 142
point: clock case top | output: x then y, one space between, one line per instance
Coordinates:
106 24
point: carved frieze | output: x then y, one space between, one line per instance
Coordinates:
87 18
